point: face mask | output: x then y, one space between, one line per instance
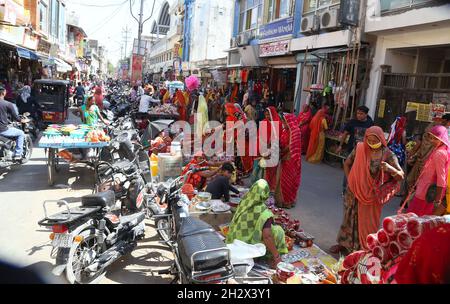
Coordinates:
376 146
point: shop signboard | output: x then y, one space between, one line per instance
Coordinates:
276 30
274 48
437 110
12 34
30 41
136 68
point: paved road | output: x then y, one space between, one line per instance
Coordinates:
320 205
23 189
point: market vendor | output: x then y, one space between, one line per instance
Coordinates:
253 223
198 179
92 113
162 142
220 186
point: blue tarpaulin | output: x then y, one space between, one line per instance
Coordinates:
27 54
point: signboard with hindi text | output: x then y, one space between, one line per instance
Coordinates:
274 49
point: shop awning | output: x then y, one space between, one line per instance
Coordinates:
27 54
45 60
62 66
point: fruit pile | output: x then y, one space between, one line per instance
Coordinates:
97 136
165 109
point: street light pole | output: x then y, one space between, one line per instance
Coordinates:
141 24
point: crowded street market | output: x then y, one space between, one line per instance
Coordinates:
308 163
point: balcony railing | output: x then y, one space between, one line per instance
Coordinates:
438 82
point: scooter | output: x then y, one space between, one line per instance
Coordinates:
88 239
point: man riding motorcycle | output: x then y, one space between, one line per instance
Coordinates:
5 109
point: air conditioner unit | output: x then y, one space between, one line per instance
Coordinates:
310 24
243 39
329 19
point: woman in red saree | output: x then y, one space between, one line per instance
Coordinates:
290 166
316 145
180 102
235 114
198 179
304 119
273 122
98 97
374 176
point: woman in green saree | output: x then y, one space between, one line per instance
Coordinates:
253 223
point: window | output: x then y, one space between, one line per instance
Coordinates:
54 18
387 5
43 17
62 24
250 14
313 5
279 9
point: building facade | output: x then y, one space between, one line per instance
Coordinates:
411 61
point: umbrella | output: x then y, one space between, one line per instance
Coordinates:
154 128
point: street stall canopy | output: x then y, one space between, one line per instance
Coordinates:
27 54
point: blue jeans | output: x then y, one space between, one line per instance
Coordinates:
13 132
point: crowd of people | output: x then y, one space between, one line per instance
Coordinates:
376 169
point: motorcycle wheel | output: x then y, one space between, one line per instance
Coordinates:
163 226
75 272
27 149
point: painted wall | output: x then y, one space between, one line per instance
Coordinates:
417 38
426 15
210 29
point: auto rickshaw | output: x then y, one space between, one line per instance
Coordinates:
53 98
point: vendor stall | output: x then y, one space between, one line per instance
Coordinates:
305 263
165 111
57 137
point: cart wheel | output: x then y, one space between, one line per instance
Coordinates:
51 167
56 162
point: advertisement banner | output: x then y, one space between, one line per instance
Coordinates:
277 29
136 68
274 49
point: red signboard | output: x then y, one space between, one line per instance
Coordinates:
136 68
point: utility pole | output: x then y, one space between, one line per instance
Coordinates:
141 25
140 21
126 31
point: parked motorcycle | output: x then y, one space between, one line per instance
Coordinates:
200 255
88 239
8 145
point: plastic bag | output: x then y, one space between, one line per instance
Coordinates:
242 255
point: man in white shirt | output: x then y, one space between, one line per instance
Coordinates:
144 103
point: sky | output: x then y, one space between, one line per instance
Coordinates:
105 20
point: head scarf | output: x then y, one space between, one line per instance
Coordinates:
360 181
26 92
397 129
441 133
251 207
427 260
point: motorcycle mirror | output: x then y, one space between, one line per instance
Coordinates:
26 114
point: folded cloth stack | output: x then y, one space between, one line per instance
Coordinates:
418 225
388 244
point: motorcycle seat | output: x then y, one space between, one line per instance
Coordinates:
102 199
195 252
191 226
136 217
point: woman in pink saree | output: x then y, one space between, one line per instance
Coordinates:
304 118
434 173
